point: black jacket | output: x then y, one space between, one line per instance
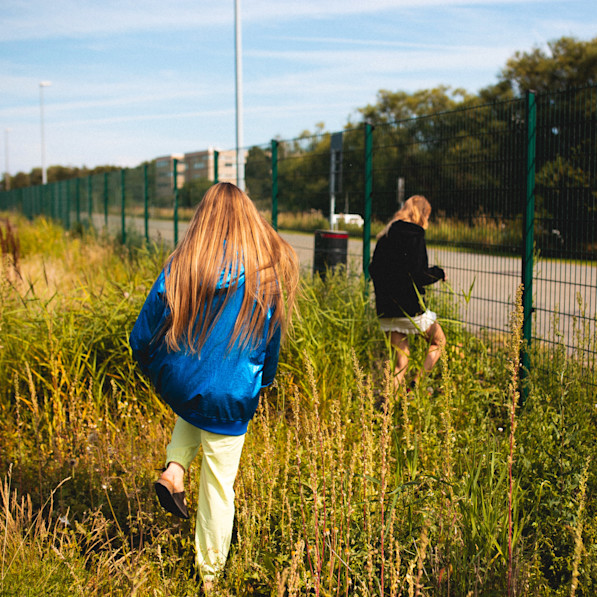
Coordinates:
399 265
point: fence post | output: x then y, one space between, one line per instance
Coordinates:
368 198
175 182
528 240
53 208
28 201
146 200
78 199
106 200
26 191
49 207
275 184
216 166
122 204
90 199
57 202
66 190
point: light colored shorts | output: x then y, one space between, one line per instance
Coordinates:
408 325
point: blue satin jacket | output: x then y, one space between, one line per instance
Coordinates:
217 390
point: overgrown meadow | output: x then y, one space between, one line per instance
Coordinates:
345 487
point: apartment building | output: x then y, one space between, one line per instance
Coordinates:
192 165
164 174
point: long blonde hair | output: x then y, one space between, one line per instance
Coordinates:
227 237
416 209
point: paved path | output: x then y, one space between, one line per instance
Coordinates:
490 280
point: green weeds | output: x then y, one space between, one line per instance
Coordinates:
346 486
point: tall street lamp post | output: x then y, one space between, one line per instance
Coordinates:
44 176
240 160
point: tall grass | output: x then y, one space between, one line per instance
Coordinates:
346 487
481 231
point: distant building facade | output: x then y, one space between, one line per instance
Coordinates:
164 174
193 165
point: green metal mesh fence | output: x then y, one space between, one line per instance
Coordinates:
512 185
565 229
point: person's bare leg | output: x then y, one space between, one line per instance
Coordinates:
401 354
437 340
174 474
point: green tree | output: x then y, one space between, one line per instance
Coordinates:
303 172
393 106
57 173
102 169
192 192
443 143
35 177
258 176
567 63
20 180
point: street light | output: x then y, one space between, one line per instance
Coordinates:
240 160
44 176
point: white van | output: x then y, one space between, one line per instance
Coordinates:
353 219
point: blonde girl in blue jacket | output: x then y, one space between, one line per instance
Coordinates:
208 337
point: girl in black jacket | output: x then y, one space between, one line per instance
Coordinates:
400 271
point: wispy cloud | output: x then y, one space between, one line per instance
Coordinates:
39 19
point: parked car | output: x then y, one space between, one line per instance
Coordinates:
352 219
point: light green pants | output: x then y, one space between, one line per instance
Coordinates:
215 505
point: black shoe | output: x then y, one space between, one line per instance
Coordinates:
169 500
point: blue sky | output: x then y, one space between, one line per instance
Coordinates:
134 80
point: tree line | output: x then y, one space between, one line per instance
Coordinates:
55 174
